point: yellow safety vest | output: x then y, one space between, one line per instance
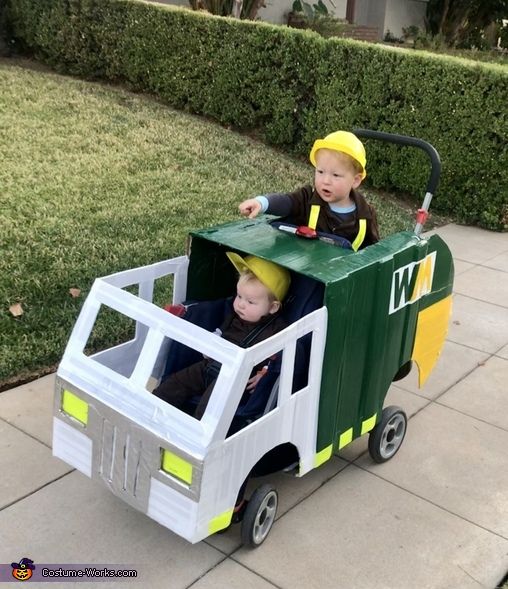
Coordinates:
313 219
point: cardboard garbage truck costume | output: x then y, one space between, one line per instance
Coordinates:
356 322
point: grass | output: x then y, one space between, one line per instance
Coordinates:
494 56
96 180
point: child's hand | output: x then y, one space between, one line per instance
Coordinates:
253 381
250 208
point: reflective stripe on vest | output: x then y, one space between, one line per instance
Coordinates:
361 235
313 219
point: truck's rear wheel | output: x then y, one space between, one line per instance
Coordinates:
259 515
387 436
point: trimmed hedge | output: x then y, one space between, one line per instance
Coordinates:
294 86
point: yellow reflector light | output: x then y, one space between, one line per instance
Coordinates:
75 407
176 466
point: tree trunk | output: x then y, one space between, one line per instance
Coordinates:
237 8
444 16
254 9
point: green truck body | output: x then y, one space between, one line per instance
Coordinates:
374 298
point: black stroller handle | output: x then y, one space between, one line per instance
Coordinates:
429 149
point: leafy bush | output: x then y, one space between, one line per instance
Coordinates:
317 18
389 37
431 42
294 86
309 10
329 26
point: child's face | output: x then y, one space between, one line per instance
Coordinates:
251 302
334 177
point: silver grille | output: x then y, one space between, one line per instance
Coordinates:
121 464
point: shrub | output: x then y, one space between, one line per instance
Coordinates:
294 86
329 26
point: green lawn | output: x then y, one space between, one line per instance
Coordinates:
94 180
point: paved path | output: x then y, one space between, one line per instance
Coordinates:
435 517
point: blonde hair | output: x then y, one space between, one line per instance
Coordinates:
354 165
248 276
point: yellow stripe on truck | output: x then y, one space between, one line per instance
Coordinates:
431 330
369 424
323 456
346 438
220 522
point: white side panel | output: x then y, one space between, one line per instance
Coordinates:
72 446
172 509
294 420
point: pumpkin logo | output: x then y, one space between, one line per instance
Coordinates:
23 569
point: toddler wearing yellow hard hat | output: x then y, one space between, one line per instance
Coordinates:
261 288
333 205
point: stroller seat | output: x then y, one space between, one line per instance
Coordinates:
304 296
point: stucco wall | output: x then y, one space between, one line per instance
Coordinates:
383 14
276 10
371 13
402 13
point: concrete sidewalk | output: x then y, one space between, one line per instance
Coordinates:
434 517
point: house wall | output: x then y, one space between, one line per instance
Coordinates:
276 10
371 13
403 13
383 14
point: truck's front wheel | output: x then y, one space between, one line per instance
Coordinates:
259 516
387 436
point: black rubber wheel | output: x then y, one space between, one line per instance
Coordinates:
259 516
387 436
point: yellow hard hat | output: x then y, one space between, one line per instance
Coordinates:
274 277
342 141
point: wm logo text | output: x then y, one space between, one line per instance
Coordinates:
412 282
